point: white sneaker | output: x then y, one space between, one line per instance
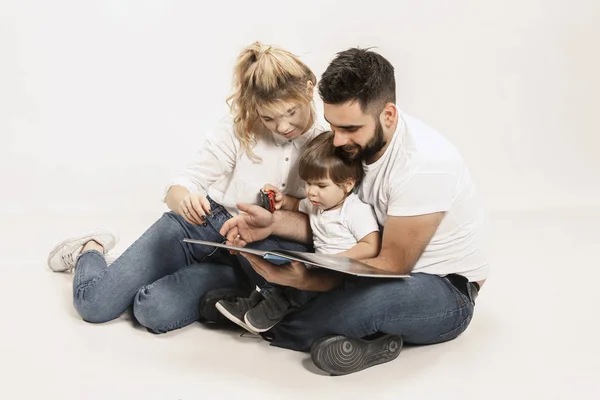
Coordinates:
64 256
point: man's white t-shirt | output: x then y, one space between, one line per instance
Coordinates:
341 229
422 173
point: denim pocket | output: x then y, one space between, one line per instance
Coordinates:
216 221
462 299
219 215
209 231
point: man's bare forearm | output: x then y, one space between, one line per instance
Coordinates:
292 226
387 264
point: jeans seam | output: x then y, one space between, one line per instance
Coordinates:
386 320
82 286
464 299
431 317
460 327
178 324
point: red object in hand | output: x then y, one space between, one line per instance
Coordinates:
267 199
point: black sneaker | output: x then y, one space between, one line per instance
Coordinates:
235 310
341 355
268 312
207 304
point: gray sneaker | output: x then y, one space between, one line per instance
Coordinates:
63 256
208 303
235 310
268 312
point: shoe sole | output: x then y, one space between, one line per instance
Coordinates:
254 328
233 318
340 355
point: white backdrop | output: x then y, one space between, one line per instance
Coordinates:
102 101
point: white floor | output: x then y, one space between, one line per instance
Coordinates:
534 336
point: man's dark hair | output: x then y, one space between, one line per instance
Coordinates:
359 75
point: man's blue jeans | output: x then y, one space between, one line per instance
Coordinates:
424 309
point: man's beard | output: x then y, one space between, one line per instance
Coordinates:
355 152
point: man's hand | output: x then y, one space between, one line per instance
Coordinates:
293 274
253 224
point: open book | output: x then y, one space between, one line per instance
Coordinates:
328 261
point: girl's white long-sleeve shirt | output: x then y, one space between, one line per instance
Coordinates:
223 171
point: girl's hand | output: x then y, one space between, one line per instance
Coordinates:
194 207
